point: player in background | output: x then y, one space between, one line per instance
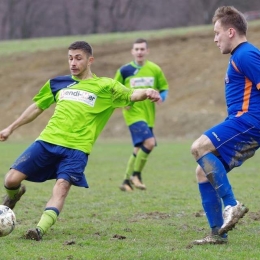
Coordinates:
140 118
84 103
230 143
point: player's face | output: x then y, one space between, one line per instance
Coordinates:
223 38
79 63
139 52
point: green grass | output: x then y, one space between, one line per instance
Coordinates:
158 223
37 44
43 44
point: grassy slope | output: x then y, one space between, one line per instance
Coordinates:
158 223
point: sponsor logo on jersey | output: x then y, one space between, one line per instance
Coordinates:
75 179
142 82
72 84
216 136
226 78
78 95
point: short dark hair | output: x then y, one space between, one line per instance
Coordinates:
141 40
82 45
229 16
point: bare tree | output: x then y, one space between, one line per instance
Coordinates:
66 16
95 16
124 15
44 18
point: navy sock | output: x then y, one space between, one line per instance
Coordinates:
217 176
211 204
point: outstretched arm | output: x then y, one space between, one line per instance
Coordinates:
142 94
26 117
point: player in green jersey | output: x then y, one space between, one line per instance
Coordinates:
84 103
140 118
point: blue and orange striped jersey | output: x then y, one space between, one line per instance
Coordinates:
242 82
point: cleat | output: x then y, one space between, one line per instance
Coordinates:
211 240
11 202
136 181
33 234
126 186
231 216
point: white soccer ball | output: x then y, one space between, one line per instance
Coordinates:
7 220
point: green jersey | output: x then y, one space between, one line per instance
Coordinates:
83 108
149 75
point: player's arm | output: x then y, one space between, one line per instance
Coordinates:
118 76
26 117
142 94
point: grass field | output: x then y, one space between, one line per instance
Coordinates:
42 44
104 223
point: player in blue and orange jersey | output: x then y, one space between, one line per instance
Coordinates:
84 104
140 118
230 143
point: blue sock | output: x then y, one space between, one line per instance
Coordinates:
217 176
212 205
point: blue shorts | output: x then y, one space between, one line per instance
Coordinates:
44 161
140 131
236 140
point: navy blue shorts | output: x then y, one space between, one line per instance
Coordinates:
140 131
236 140
44 161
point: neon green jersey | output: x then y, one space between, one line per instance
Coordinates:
83 108
149 75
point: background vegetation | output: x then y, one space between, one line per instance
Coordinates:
37 18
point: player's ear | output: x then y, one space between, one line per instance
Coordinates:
90 60
231 32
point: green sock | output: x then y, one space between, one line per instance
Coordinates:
130 166
140 160
48 219
11 193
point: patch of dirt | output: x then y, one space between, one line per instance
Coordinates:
150 215
192 64
254 216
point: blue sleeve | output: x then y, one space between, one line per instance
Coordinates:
164 94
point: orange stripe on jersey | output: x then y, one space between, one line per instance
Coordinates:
235 66
247 92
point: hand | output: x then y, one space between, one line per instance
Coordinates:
4 134
153 95
159 102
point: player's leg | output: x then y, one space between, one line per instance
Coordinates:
232 138
52 210
212 206
69 170
13 187
18 172
126 184
140 161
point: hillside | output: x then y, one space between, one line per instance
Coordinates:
192 63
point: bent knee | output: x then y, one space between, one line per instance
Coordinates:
201 147
149 143
196 149
14 178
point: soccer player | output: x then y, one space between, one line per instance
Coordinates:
140 118
84 103
230 143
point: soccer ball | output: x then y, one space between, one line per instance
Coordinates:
7 220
